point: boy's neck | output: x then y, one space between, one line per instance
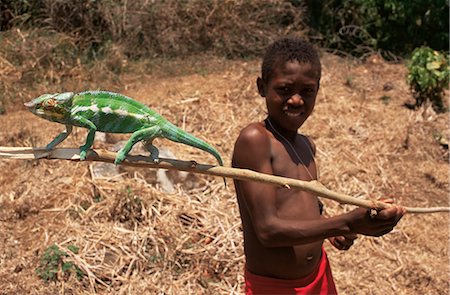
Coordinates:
287 134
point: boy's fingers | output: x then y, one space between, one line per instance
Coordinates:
346 240
387 219
394 213
352 236
342 243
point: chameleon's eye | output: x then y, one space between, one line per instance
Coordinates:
48 103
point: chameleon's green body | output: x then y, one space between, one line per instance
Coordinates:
111 113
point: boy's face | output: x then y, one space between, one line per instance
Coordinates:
290 93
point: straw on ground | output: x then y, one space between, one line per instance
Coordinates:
101 155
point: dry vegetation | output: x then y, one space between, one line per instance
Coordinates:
133 238
46 45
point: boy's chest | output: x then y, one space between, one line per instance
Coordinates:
292 162
293 203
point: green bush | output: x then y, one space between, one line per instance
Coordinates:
393 27
428 76
53 262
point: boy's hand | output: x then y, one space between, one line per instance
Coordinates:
343 242
383 222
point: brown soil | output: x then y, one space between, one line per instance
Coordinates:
132 238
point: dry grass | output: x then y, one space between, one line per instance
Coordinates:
46 45
135 239
175 28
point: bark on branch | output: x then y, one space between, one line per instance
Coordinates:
101 155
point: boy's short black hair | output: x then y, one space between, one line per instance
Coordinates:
289 49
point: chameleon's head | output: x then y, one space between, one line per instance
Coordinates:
53 107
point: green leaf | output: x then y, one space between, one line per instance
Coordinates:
79 273
73 249
434 65
66 266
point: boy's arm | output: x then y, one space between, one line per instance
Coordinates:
252 151
342 242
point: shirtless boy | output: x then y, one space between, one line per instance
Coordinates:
283 228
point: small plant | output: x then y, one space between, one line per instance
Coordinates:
52 263
428 76
385 99
349 82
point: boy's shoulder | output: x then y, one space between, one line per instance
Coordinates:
252 146
253 138
254 132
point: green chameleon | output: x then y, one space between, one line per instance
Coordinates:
112 113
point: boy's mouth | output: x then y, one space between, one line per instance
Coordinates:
293 112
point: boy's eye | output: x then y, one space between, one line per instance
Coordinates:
308 91
284 89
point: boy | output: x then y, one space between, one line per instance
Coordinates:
283 229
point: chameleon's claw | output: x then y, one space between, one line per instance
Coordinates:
156 160
82 155
119 159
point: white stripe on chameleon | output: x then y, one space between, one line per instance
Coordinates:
125 113
78 109
94 108
149 118
75 110
121 112
107 110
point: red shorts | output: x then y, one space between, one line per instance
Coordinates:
318 282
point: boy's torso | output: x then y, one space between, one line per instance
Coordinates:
286 262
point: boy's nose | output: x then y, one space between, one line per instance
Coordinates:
296 99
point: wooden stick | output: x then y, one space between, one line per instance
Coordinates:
101 155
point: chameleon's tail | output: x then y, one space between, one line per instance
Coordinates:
176 134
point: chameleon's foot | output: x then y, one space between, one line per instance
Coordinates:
156 160
119 159
83 155
193 164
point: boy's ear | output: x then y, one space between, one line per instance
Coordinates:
261 87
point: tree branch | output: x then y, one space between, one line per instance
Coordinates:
101 155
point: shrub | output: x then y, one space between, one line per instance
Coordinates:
428 76
389 26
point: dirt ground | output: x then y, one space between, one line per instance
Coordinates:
133 238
